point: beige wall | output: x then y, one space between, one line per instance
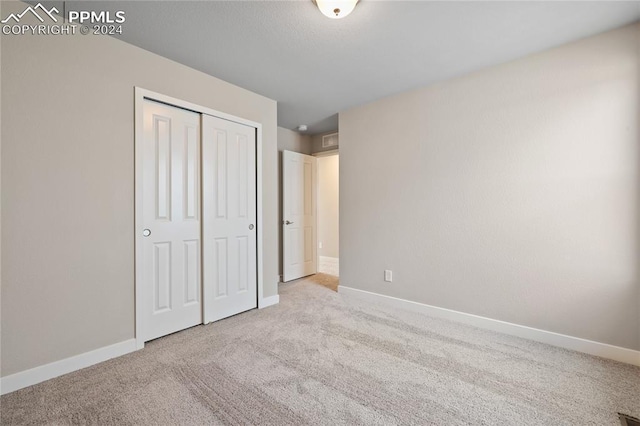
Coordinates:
1 14
328 205
288 140
511 193
316 143
67 187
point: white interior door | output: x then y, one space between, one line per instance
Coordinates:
299 178
170 227
229 223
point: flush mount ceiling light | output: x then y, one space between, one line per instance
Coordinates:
336 9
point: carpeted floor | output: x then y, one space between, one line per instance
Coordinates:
326 280
321 358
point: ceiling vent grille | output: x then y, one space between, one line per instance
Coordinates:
329 141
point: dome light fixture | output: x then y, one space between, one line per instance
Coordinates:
336 9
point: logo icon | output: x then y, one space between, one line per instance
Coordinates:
34 12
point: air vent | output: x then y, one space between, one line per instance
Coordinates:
329 141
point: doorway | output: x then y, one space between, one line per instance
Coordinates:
329 214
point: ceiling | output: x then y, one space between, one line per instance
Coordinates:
316 67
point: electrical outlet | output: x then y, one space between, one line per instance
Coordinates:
388 275
320 244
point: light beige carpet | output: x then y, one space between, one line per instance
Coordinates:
326 280
319 358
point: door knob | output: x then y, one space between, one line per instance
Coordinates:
251 227
146 232
288 223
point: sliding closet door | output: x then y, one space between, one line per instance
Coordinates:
229 218
170 247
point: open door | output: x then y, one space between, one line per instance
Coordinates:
299 180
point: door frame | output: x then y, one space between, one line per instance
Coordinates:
321 154
140 95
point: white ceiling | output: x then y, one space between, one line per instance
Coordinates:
316 67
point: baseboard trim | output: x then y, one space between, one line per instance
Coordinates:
268 301
329 265
590 347
39 374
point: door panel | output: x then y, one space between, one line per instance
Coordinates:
192 272
170 189
299 178
229 234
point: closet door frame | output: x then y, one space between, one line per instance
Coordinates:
140 95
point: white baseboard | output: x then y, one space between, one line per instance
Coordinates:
329 265
590 347
39 374
268 301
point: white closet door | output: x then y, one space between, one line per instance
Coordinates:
299 180
171 285
229 222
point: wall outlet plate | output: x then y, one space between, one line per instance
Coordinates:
388 275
